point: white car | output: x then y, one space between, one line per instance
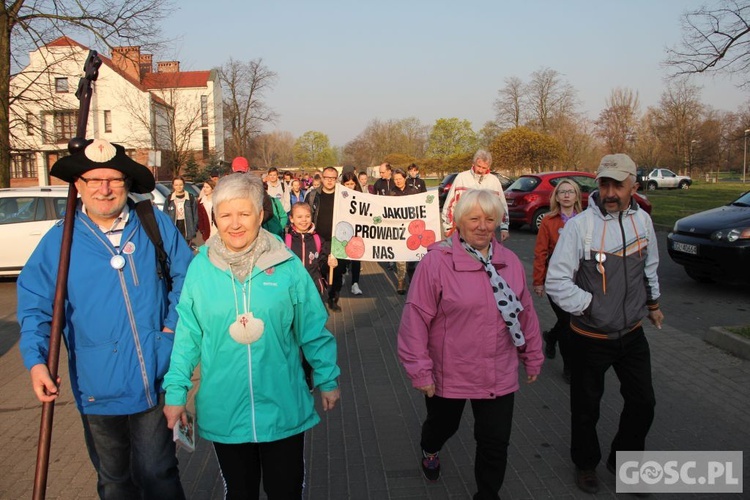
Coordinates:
663 178
26 214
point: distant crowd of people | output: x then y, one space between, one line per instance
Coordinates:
143 310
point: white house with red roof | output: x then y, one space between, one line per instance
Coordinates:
134 104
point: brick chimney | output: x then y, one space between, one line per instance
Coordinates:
168 67
146 64
128 60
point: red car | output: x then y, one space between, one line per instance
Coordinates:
528 196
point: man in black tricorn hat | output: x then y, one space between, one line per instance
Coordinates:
120 317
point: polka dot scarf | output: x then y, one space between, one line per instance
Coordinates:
507 303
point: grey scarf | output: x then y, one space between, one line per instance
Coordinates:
240 263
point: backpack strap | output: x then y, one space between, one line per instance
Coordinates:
145 211
288 239
318 244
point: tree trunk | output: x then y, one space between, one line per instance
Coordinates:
5 30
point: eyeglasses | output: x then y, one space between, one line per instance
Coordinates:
329 178
115 182
563 192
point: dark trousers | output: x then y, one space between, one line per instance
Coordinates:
560 333
354 265
334 287
134 455
591 358
492 424
280 464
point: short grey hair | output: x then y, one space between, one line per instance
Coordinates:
485 199
483 155
239 186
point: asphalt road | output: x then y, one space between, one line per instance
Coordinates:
687 305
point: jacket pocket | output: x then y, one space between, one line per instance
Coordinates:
100 373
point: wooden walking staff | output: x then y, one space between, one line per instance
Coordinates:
91 72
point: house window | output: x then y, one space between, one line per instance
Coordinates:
205 144
65 125
107 121
29 123
204 111
23 166
61 85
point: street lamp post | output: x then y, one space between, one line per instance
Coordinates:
744 159
690 157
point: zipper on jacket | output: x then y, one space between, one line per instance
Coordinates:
136 339
625 274
252 393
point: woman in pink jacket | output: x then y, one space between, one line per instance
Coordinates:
467 321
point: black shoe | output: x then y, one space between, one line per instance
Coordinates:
333 304
431 466
587 480
549 348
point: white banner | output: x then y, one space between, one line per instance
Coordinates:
384 228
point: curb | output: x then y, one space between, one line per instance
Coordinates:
732 342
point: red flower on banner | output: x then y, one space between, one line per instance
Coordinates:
419 235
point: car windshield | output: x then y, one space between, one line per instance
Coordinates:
742 201
524 184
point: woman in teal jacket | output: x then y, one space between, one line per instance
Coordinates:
247 307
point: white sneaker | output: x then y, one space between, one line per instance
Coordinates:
356 290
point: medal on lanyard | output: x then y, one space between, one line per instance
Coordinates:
117 262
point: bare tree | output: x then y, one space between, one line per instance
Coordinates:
245 112
26 25
714 40
274 149
509 103
549 97
677 121
617 121
407 136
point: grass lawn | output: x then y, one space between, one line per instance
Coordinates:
672 204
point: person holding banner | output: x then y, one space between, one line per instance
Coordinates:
468 321
401 188
384 185
477 177
321 200
349 180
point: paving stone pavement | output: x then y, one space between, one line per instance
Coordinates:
368 447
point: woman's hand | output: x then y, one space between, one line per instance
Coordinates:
332 261
539 290
427 390
329 398
530 379
173 413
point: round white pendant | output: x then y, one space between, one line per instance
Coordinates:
117 262
600 257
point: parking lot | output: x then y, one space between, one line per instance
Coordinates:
367 447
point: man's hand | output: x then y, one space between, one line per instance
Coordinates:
656 317
329 398
504 234
427 390
41 382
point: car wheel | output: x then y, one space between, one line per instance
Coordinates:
699 276
652 186
684 185
536 221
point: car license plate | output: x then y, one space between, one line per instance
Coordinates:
685 248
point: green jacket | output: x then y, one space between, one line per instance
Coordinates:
257 392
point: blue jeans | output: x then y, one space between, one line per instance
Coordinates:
134 455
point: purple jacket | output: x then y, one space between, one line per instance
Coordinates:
452 333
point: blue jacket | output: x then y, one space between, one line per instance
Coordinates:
191 213
118 354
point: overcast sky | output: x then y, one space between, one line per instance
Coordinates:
341 64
